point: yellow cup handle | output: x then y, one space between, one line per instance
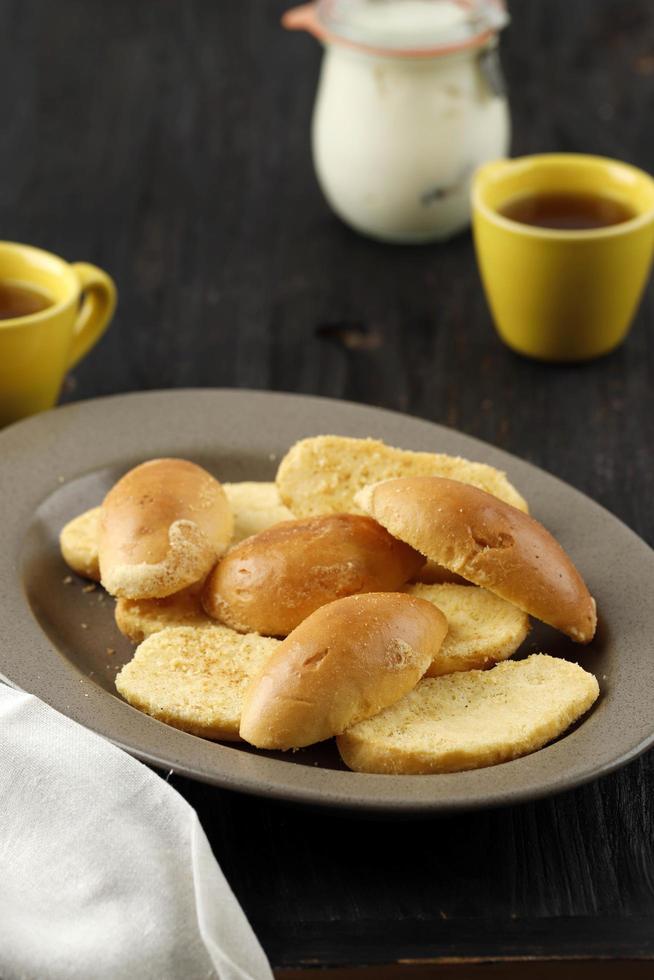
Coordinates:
96 311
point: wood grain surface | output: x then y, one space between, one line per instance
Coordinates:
169 143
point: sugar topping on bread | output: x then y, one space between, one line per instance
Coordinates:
482 628
322 474
139 618
195 679
472 719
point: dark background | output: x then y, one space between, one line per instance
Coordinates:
169 143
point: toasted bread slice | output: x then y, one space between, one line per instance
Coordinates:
256 507
194 679
482 628
472 719
139 618
321 475
78 541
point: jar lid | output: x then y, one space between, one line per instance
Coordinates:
406 28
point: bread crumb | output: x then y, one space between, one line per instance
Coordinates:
110 651
84 626
91 587
67 579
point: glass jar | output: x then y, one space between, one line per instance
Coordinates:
410 102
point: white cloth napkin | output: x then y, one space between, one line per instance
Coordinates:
105 871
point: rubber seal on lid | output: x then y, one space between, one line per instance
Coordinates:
403 28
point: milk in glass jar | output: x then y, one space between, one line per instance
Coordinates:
410 101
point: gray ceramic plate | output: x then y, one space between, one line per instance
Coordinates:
55 636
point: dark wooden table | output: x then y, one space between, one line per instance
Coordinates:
169 143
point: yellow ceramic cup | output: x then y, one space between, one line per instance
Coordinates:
562 295
37 350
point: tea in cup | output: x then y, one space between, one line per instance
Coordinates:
564 244
51 314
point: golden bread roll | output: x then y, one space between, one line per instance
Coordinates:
163 527
139 618
481 627
78 541
472 719
489 543
346 662
272 581
255 506
321 475
194 679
